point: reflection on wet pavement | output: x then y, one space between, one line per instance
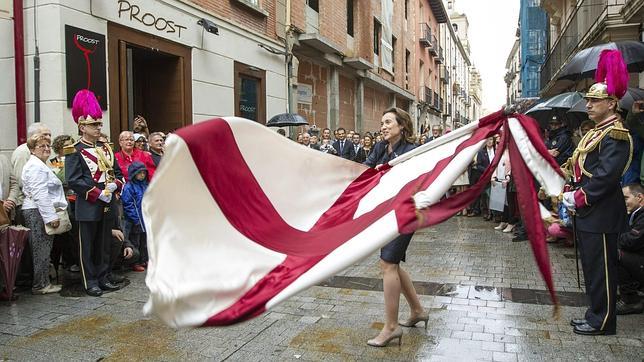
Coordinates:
517 295
484 296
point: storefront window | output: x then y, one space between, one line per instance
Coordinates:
250 92
248 98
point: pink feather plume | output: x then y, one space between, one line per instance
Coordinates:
612 70
85 104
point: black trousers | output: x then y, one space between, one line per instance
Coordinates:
630 270
599 263
95 240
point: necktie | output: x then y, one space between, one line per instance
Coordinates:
341 146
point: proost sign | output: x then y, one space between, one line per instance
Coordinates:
85 63
150 16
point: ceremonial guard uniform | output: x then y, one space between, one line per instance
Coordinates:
89 168
596 166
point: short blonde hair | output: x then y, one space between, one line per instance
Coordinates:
33 141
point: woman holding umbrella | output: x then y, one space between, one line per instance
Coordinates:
43 195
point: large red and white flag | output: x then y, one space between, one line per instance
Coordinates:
240 218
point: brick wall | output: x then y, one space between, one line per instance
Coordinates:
375 102
317 77
347 102
238 13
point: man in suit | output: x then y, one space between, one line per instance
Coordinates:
630 268
356 152
596 167
306 142
93 173
341 145
559 142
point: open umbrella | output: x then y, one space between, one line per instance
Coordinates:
632 94
541 113
12 243
563 100
287 119
583 64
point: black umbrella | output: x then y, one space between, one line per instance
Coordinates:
564 100
632 95
583 64
287 119
541 113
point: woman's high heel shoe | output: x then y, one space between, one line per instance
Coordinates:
396 335
411 322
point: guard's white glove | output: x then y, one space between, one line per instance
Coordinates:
568 200
111 187
105 197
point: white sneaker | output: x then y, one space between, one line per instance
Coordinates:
501 226
509 228
51 288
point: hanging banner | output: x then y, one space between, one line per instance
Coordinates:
85 64
386 56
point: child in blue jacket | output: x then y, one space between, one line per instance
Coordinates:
131 197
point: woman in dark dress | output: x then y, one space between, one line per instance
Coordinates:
397 132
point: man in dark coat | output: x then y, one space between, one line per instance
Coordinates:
341 145
559 141
356 152
596 167
630 268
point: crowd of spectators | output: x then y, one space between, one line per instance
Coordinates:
34 193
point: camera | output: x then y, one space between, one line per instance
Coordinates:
209 26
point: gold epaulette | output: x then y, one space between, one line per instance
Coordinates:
618 132
68 150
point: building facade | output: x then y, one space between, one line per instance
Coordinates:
576 25
174 62
339 63
533 29
512 76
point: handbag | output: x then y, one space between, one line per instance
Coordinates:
64 226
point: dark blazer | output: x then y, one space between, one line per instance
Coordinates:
359 156
344 153
633 240
379 153
314 146
606 210
79 178
561 140
481 162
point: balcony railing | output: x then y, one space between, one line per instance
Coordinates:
444 74
428 95
425 37
437 102
433 48
439 57
587 14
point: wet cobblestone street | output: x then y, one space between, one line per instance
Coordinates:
485 296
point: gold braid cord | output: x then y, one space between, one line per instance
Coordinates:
106 164
587 144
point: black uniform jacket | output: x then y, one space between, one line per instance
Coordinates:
561 140
82 180
633 240
599 200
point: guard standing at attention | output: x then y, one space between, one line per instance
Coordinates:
93 173
598 163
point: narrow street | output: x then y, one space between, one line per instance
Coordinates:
485 297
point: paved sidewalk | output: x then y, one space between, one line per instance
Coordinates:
485 296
